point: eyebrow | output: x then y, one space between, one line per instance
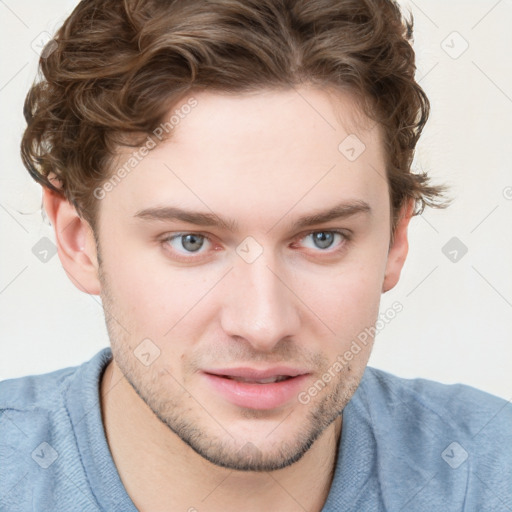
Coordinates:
169 213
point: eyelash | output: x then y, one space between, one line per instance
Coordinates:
346 238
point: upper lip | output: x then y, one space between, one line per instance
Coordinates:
253 373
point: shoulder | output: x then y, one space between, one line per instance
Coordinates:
38 402
32 391
31 407
453 406
38 438
459 407
35 392
443 443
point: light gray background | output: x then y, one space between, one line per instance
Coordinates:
456 321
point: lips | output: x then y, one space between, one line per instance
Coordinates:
269 380
245 372
256 388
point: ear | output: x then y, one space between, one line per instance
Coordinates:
398 250
75 242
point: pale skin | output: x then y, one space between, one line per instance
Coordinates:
263 161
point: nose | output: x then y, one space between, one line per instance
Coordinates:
258 304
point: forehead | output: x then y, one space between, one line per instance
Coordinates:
258 153
275 125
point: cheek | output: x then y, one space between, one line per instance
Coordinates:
157 301
357 303
346 301
137 292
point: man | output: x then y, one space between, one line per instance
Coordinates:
234 181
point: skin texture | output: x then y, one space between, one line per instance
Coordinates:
262 160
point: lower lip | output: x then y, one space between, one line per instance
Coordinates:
257 396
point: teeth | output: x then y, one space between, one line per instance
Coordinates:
270 380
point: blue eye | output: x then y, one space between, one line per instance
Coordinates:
186 242
325 239
189 247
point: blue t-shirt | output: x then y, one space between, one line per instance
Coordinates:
406 445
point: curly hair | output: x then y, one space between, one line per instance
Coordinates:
117 67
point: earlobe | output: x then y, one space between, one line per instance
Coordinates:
75 242
398 251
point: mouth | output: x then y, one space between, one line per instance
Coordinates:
269 380
256 389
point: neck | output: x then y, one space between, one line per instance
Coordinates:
160 472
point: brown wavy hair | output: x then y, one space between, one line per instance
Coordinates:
116 68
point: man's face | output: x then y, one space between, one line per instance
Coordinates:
200 314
